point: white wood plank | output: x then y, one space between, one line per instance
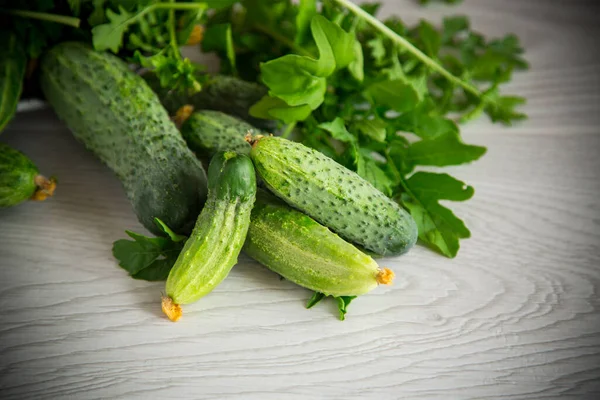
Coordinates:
515 315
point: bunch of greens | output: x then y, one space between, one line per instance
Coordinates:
380 97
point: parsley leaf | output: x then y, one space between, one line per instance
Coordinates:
342 303
149 258
438 227
109 36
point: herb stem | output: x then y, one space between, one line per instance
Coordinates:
172 35
288 130
59 19
402 42
282 39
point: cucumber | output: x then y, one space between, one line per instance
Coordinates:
305 252
333 195
118 117
207 132
221 93
13 64
213 248
20 179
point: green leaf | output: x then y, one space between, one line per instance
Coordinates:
273 108
109 36
337 129
373 128
377 50
430 38
438 227
425 125
356 67
395 94
452 26
149 258
343 302
219 38
442 151
288 79
307 9
172 235
315 298
373 172
503 109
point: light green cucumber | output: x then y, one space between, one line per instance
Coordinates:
213 248
114 113
207 132
333 195
305 252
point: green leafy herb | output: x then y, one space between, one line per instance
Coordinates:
149 258
342 303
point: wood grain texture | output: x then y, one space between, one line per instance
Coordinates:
515 315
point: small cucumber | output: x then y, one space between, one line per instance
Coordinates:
213 248
13 64
305 252
20 179
207 132
220 93
333 195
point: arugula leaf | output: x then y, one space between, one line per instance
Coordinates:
442 151
149 258
109 36
307 9
343 302
315 299
438 227
396 94
372 128
337 129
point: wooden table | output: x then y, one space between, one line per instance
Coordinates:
514 315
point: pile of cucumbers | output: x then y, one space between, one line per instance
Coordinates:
303 220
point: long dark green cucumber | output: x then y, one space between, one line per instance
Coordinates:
20 179
305 252
221 93
13 64
213 248
333 195
114 113
207 132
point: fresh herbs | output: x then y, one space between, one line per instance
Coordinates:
380 97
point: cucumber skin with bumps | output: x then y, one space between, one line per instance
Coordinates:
214 245
305 252
208 132
221 93
13 64
17 176
118 117
334 196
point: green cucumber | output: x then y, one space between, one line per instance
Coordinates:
213 248
220 93
13 64
207 132
118 117
305 252
20 179
333 195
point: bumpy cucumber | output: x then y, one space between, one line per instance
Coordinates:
305 252
20 179
119 118
13 64
221 93
333 195
213 248
207 132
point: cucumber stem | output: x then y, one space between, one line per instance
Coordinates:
385 276
172 311
45 188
